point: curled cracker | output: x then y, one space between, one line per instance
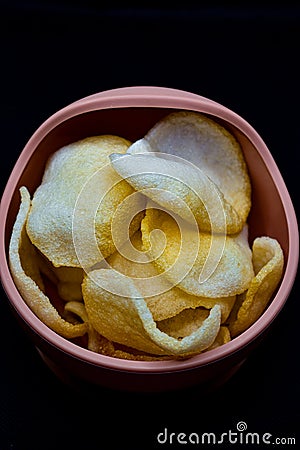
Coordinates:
209 146
169 300
180 187
78 184
226 261
127 319
25 272
268 262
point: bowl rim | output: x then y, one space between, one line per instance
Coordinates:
156 97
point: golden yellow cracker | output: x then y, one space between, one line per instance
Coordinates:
184 323
268 262
70 171
226 261
169 300
69 281
126 318
99 344
69 274
212 148
181 188
26 275
69 291
222 337
96 342
188 321
78 309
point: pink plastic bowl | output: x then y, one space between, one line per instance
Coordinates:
130 113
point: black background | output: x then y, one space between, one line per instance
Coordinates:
245 57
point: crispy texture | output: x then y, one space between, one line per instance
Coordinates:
188 321
25 271
222 338
184 323
181 188
268 262
99 344
227 260
127 319
80 170
210 147
169 300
